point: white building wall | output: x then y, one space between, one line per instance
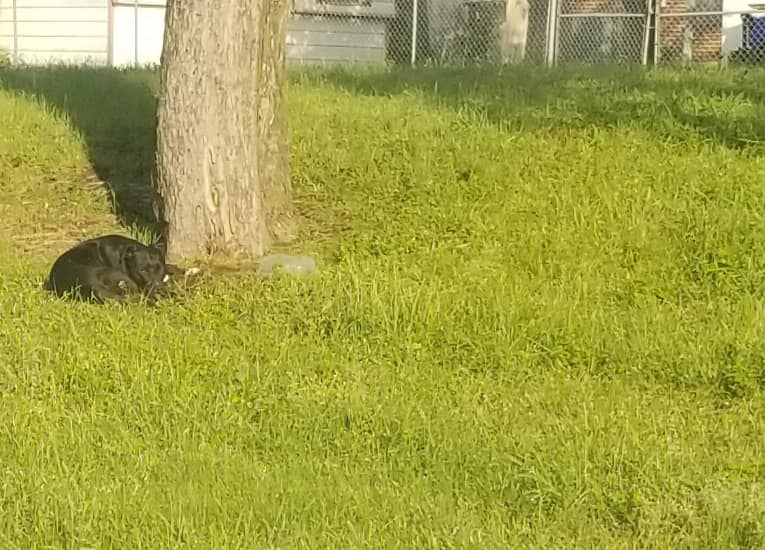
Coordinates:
346 34
55 31
6 27
732 25
104 31
149 16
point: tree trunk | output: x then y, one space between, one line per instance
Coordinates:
221 178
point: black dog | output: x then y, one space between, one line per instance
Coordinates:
110 268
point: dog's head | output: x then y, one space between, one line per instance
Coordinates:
146 264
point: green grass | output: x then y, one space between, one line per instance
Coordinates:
539 322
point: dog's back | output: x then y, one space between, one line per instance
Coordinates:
66 272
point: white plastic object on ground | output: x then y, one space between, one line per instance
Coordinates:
294 265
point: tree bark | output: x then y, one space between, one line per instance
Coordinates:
221 177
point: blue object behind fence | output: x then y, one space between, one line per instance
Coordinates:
756 32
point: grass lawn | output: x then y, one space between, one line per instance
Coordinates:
539 322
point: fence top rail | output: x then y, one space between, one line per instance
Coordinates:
707 13
572 15
600 14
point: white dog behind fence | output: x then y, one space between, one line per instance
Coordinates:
514 30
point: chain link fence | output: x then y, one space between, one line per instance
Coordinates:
543 32
750 33
416 32
704 31
591 31
420 32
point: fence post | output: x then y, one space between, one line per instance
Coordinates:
15 35
414 31
657 32
551 32
135 33
646 32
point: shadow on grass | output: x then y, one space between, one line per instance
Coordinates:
114 111
724 106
